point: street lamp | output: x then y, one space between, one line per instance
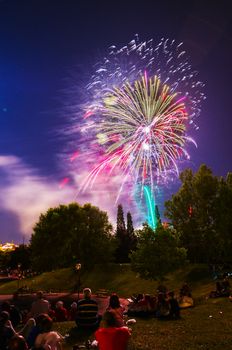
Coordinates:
19 273
78 268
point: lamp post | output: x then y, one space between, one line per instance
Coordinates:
78 268
19 273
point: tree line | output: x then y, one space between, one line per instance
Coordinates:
199 231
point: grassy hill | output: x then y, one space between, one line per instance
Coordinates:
115 278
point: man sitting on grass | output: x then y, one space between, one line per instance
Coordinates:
87 311
40 306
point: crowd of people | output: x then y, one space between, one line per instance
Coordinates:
36 330
222 289
33 330
163 305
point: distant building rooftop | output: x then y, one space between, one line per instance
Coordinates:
8 247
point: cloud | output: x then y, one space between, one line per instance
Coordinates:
27 194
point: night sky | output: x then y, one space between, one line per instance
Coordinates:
48 46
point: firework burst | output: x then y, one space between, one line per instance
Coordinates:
142 102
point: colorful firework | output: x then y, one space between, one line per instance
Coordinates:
142 101
150 203
143 130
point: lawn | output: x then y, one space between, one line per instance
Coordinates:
204 327
116 278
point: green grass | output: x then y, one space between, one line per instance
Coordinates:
115 278
194 331
58 280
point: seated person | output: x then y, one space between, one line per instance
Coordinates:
48 339
142 308
72 314
225 286
6 330
14 313
185 291
17 343
35 330
218 292
116 309
111 337
135 299
87 311
163 307
146 305
61 313
174 308
40 306
161 289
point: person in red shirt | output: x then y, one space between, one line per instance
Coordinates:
61 313
111 337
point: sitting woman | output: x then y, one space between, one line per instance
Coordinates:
111 337
163 307
48 338
117 309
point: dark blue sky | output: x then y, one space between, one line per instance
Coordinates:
42 43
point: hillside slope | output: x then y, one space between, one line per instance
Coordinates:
115 278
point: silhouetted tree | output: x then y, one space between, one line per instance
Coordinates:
121 253
71 233
132 239
157 214
158 252
201 212
21 255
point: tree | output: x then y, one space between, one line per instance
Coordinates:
67 234
198 213
21 255
223 222
125 236
157 214
132 239
121 253
158 252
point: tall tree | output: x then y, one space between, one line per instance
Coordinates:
121 253
132 239
157 214
71 233
158 252
194 212
223 222
121 227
